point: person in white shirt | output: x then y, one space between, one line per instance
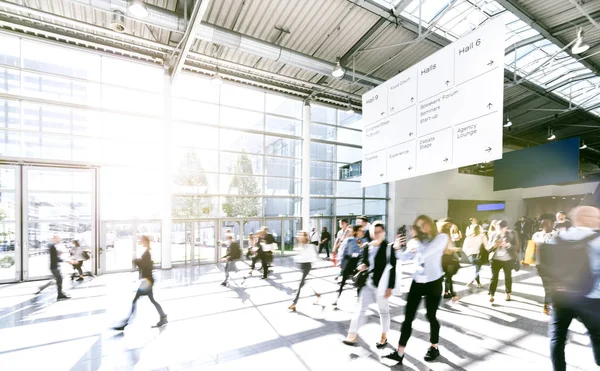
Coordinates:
544 236
504 252
315 237
307 256
472 248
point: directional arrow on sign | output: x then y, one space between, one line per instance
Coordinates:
447 82
409 168
381 175
410 134
491 63
489 106
446 159
382 113
391 108
412 99
488 149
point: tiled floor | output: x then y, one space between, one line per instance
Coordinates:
247 326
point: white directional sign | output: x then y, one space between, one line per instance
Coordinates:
442 113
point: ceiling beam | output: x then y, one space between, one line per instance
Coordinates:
364 40
200 7
528 19
567 27
522 43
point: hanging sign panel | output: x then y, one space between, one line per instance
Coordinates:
442 113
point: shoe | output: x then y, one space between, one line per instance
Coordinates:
63 297
447 295
292 307
491 299
507 297
318 298
119 328
395 356
80 279
163 321
470 286
224 283
334 303
455 298
546 309
349 342
432 354
263 278
479 286
381 345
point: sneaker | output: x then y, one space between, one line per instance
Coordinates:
80 279
224 283
395 356
63 297
479 286
432 354
163 321
447 295
120 328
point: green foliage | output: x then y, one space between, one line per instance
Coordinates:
7 261
243 184
191 175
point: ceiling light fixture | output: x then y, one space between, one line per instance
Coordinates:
138 9
551 135
338 71
117 21
583 145
508 122
580 45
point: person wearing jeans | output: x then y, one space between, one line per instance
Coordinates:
426 247
352 250
544 236
375 261
504 251
586 220
473 242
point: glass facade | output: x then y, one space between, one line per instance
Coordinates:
236 151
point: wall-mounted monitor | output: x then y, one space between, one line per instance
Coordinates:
491 207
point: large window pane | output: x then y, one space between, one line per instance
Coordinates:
348 206
284 106
242 119
190 135
9 53
283 147
322 152
61 89
322 170
189 110
241 163
54 119
284 126
133 153
323 114
348 154
61 61
287 167
130 206
349 119
282 186
133 128
282 206
321 188
321 206
196 87
324 132
349 136
193 182
129 100
375 207
240 184
238 206
10 80
193 207
57 180
241 142
378 191
195 160
10 144
348 189
9 114
128 180
242 97
132 74
46 147
53 206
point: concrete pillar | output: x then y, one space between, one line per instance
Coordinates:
306 167
167 175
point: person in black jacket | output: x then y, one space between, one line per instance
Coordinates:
55 261
267 244
374 260
233 254
145 266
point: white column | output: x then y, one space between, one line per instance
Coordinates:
306 167
167 175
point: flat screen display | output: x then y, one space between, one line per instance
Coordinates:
490 207
552 163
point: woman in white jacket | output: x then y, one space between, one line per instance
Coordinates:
472 246
307 256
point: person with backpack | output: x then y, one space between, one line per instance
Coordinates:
233 254
571 263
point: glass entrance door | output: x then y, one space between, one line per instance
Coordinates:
193 242
121 244
57 202
10 243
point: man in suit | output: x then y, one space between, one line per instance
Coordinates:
325 240
523 230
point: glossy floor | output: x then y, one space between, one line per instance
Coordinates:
247 326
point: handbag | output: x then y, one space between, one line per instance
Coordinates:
360 279
145 286
385 276
450 264
484 256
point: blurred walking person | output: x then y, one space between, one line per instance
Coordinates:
351 249
307 256
267 245
544 236
474 243
325 241
146 286
504 252
77 260
253 252
374 262
426 247
55 261
232 255
315 238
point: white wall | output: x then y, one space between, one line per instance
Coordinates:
429 194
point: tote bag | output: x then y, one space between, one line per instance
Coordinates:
385 277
